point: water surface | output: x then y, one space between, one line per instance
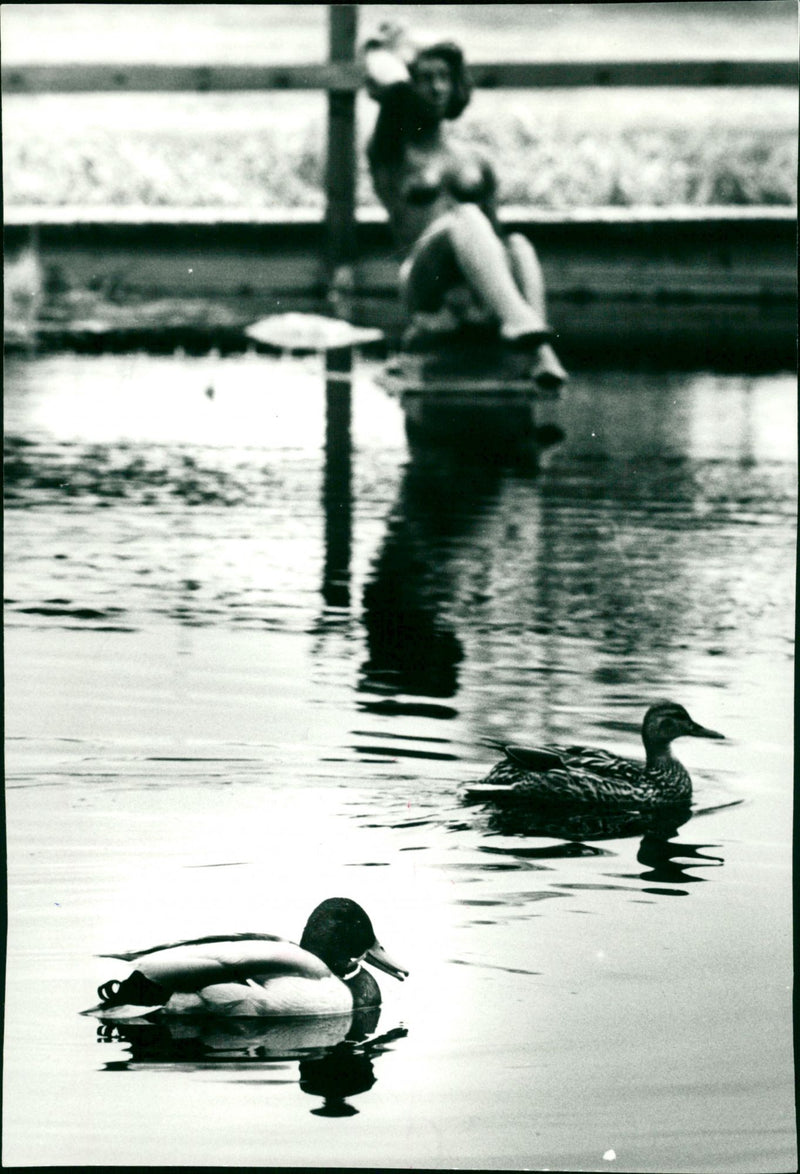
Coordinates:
241 678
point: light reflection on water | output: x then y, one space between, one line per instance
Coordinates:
233 691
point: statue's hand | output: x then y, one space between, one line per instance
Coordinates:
383 68
392 36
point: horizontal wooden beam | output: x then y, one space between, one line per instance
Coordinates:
345 76
558 74
516 217
608 255
41 79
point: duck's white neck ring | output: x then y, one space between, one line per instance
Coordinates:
352 973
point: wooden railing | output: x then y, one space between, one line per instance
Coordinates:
347 76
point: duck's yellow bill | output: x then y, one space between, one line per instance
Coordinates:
377 956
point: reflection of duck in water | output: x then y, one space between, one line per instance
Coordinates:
577 824
580 775
667 860
670 863
158 1040
257 974
334 1052
344 1072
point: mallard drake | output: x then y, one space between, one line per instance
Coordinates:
257 974
581 775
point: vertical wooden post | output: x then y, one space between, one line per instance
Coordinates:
337 495
340 250
341 162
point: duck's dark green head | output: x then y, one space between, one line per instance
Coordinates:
666 720
340 933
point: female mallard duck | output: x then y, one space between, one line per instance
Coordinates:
257 974
579 775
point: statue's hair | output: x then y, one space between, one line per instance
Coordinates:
451 54
401 117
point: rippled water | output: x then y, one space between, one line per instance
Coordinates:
241 677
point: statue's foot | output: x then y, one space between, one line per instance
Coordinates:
527 341
547 372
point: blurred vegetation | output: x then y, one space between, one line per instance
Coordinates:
552 150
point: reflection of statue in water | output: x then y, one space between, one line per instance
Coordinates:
459 268
412 646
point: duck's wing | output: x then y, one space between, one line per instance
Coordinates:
535 758
546 758
132 955
598 762
191 966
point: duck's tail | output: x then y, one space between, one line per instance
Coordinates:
483 792
132 997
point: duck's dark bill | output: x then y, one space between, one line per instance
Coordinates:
701 732
377 956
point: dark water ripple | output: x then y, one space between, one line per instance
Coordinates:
40 474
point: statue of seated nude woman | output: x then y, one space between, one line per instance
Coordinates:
459 267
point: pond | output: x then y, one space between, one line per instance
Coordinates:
239 681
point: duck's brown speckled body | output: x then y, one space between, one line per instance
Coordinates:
584 775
